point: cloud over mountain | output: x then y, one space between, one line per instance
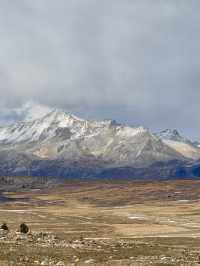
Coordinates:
134 60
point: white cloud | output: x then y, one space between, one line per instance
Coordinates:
27 112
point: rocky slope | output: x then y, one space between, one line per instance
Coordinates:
187 148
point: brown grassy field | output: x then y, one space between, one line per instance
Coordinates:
105 223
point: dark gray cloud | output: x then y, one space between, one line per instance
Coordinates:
135 60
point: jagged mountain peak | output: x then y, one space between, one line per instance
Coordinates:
59 115
171 134
54 123
184 146
171 131
40 129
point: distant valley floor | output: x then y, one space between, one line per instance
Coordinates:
104 223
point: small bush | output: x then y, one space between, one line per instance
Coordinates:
4 227
23 228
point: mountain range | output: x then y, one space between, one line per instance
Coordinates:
62 145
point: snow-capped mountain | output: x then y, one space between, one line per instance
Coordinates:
169 134
62 144
63 135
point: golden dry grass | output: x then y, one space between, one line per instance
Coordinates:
163 217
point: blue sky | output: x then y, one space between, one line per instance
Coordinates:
136 61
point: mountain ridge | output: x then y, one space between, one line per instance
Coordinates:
59 139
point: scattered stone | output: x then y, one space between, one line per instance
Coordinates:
50 262
45 262
3 233
90 261
60 263
3 230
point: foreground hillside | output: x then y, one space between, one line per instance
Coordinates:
103 223
62 145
